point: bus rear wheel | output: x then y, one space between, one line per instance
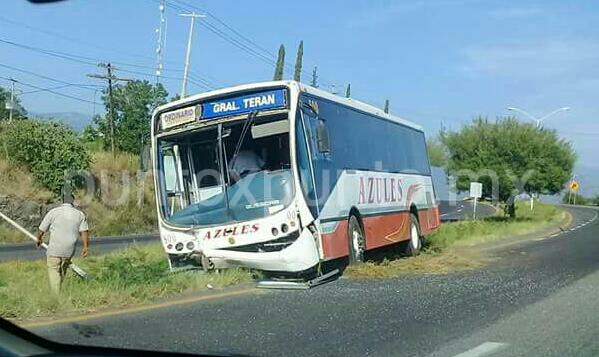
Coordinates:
414 244
357 243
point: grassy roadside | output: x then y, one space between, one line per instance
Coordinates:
117 208
444 251
133 276
467 233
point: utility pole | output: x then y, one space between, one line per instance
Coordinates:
110 78
193 17
161 32
11 106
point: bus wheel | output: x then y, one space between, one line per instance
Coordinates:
357 243
414 244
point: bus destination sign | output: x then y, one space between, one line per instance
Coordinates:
244 104
180 116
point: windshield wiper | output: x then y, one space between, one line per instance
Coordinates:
224 169
244 131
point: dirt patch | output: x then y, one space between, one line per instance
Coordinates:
426 263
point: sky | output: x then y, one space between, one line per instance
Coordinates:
439 62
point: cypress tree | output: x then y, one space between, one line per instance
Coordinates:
280 64
297 76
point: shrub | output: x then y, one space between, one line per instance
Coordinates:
47 149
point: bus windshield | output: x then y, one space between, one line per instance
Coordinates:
234 171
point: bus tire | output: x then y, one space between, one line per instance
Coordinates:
356 241
414 244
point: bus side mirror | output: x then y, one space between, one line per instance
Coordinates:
322 137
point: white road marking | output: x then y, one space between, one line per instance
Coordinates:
482 349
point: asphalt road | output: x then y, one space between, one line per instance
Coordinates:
463 210
27 251
538 298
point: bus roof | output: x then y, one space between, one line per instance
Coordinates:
350 102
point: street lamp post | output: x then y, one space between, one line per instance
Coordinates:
539 122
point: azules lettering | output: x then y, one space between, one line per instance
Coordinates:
231 231
380 190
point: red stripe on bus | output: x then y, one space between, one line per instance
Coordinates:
386 229
336 244
380 231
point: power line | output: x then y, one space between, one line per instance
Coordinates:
72 39
270 56
50 91
240 45
167 77
109 77
88 61
228 38
83 86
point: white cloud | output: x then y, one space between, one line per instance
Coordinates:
381 14
515 12
545 58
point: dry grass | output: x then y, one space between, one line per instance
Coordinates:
18 182
120 207
109 212
427 263
133 276
445 251
469 233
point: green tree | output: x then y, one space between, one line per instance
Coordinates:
92 137
348 91
314 80
18 112
133 104
386 106
47 149
520 156
578 198
437 153
297 75
280 64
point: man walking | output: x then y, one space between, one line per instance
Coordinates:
65 224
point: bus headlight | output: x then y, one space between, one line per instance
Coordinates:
190 245
284 228
179 246
274 231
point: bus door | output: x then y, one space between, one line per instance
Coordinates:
319 150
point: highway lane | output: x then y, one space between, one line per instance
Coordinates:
539 297
463 210
27 251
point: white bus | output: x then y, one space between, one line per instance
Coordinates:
280 177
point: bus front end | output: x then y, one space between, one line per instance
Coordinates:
225 183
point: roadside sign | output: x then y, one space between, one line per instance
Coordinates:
476 189
574 186
476 192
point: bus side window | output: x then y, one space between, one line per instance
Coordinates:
322 137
